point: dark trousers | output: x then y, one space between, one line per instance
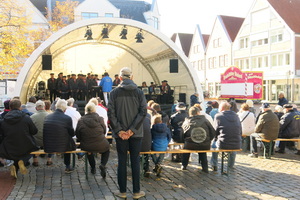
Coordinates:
74 95
146 162
133 145
202 160
67 159
104 159
52 95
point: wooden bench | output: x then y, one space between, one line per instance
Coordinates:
224 156
40 152
268 145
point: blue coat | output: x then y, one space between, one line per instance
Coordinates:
161 136
106 84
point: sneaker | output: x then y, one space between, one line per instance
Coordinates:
147 174
138 195
183 167
159 169
214 168
253 155
22 167
122 195
102 171
93 170
69 170
13 171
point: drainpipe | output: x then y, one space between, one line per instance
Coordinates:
49 10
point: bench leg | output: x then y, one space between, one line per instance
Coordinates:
73 160
142 166
224 158
86 167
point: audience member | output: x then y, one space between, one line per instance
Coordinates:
161 136
176 122
61 139
127 109
91 131
281 99
146 143
208 107
102 112
71 112
249 102
165 116
30 105
17 130
228 134
6 109
198 134
278 111
215 109
248 123
207 116
106 84
25 110
194 99
233 106
289 126
117 81
267 127
38 119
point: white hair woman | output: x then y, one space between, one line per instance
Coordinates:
90 131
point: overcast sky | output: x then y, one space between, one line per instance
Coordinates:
182 15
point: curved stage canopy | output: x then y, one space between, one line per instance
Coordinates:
73 53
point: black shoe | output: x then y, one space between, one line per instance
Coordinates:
214 168
102 171
69 170
183 167
253 155
155 168
93 170
205 171
280 151
147 174
159 169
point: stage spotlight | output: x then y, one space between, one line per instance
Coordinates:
88 33
124 33
104 33
139 37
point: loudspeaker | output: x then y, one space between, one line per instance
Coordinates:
46 62
173 65
182 97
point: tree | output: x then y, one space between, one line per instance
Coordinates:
62 15
14 44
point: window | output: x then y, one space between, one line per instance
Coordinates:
280 60
276 36
155 20
214 62
225 60
259 62
109 15
254 62
210 63
217 43
274 60
260 42
247 63
287 59
266 61
86 15
244 43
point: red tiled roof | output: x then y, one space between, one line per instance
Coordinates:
186 41
232 25
205 38
289 10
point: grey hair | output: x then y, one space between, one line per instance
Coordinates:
70 101
61 104
94 101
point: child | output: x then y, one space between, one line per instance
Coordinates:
161 136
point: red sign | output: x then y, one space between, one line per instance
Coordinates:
241 85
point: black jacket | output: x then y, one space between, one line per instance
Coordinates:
176 122
51 84
73 85
58 132
90 131
147 139
127 108
190 124
289 125
18 130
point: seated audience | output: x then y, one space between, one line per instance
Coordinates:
215 109
247 119
91 131
198 133
176 122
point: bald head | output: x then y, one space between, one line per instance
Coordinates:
224 106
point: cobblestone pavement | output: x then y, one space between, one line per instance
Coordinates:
252 178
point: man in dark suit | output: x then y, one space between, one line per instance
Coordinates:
52 87
73 85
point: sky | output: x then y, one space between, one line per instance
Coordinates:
182 16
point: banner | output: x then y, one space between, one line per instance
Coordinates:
241 84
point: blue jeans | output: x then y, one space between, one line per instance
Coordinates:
158 159
133 145
231 159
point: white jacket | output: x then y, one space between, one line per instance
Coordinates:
248 125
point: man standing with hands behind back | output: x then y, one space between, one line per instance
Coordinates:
127 109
